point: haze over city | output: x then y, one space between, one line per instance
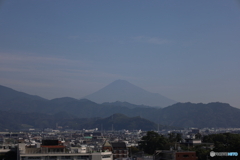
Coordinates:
187 50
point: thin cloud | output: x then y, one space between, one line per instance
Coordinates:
15 59
49 71
152 40
26 64
73 37
155 40
138 38
15 82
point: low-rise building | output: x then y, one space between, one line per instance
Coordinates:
119 149
51 150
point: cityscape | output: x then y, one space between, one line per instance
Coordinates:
60 134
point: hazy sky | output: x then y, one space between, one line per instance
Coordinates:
186 50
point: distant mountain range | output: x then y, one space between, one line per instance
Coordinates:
124 104
179 114
120 121
200 115
121 90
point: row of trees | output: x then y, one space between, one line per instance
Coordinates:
153 141
225 142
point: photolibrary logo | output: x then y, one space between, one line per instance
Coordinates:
212 153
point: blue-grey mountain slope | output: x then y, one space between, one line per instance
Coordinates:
10 94
180 114
121 90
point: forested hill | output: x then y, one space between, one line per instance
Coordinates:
200 115
13 121
180 115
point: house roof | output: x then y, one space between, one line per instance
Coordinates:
93 134
57 146
107 144
118 145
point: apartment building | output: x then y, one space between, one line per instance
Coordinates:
54 150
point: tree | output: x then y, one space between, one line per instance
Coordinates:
153 141
198 136
224 142
173 137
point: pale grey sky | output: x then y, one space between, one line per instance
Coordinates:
185 50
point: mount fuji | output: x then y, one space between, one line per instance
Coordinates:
122 90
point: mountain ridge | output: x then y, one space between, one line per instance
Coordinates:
41 121
214 114
122 90
9 93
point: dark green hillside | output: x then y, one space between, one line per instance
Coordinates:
10 94
120 121
17 121
200 115
179 115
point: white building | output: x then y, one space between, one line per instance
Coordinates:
60 153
